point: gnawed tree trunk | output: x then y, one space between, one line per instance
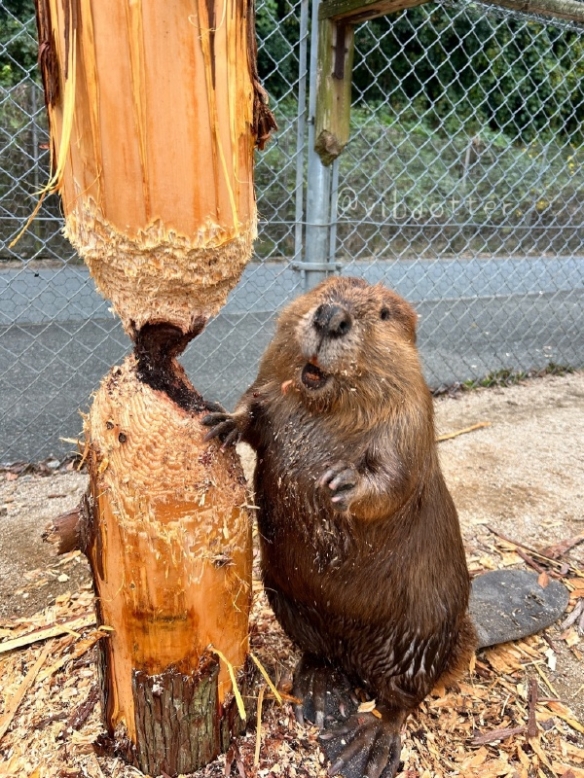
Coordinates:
170 548
151 108
154 111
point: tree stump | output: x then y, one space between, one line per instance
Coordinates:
169 541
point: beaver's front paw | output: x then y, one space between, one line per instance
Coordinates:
340 482
363 746
223 426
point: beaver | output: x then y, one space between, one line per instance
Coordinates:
362 555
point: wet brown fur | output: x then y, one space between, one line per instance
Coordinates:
379 589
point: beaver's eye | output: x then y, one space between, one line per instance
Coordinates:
384 313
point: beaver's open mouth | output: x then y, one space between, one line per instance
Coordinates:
313 377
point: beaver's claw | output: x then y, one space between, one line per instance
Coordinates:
362 746
341 481
223 426
326 694
213 407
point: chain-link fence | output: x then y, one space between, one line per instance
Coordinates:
462 187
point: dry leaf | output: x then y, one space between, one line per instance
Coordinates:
571 637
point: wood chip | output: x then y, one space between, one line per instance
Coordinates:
256 759
27 682
560 710
80 649
543 579
55 630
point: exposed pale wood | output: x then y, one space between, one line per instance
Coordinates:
157 184
333 102
155 110
170 550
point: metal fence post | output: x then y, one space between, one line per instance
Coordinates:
316 265
301 130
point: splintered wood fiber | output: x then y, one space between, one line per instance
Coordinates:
158 182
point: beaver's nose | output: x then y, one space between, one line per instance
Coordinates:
332 320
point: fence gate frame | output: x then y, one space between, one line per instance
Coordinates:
332 45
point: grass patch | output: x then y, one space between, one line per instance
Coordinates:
501 378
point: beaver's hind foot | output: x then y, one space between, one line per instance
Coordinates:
326 693
363 746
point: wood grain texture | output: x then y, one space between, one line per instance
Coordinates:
170 544
334 78
151 113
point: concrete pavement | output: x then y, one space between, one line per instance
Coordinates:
58 339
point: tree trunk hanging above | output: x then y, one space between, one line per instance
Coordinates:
152 127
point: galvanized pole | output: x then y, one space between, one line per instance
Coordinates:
301 133
316 266
333 215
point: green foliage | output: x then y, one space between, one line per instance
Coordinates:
458 66
508 377
454 66
278 32
18 46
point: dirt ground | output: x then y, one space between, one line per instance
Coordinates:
522 476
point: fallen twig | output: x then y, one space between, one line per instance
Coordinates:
532 702
549 641
497 734
531 551
529 561
558 549
450 435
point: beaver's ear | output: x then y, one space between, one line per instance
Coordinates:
395 308
409 319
